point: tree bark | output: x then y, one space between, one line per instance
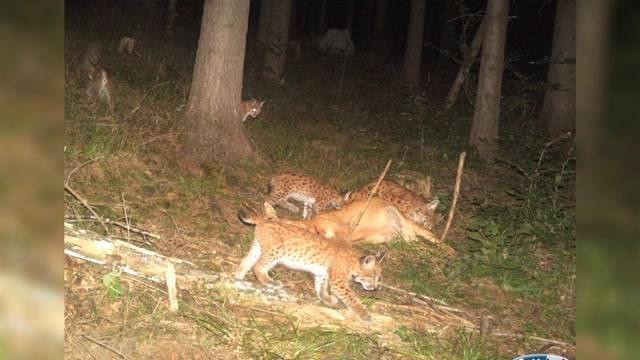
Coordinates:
351 14
212 122
171 17
484 130
559 110
276 55
413 50
476 44
322 21
264 23
380 22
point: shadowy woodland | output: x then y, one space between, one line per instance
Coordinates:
157 155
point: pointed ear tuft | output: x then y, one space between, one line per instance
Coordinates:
347 196
433 205
269 211
380 256
262 102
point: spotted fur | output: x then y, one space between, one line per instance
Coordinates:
333 264
316 196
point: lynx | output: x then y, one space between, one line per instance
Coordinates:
314 194
100 88
408 202
333 264
251 108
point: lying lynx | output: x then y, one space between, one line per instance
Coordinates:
380 223
314 194
408 202
333 264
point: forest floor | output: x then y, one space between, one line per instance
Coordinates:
514 231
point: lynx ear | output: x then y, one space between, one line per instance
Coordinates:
433 205
347 195
262 102
269 211
368 261
380 256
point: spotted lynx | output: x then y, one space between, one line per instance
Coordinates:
332 263
314 194
251 108
408 202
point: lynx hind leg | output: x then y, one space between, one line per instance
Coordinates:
322 290
261 270
343 291
248 261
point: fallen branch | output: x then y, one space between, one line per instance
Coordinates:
456 192
371 194
108 221
103 345
535 338
86 204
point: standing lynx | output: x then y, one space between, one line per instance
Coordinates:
333 264
408 202
314 194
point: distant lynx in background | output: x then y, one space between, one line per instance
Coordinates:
316 196
251 108
332 263
408 202
100 88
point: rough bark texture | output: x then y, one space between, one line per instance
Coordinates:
212 124
559 109
484 130
264 24
413 50
276 55
380 22
454 92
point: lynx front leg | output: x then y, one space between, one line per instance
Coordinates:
261 269
248 261
343 291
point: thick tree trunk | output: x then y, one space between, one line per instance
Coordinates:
413 50
212 122
264 23
172 14
322 21
470 57
559 109
484 130
351 14
380 22
276 55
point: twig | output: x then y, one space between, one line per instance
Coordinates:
103 345
84 202
170 277
108 221
456 192
371 194
66 181
536 173
126 218
423 297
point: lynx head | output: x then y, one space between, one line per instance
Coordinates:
369 271
426 215
251 108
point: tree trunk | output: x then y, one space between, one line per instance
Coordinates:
470 57
276 55
351 14
172 14
321 18
380 22
264 23
484 130
413 50
212 122
559 109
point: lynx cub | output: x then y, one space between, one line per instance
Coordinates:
408 202
333 264
100 88
251 108
316 196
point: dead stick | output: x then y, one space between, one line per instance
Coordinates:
456 192
536 338
371 194
108 221
86 204
103 345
